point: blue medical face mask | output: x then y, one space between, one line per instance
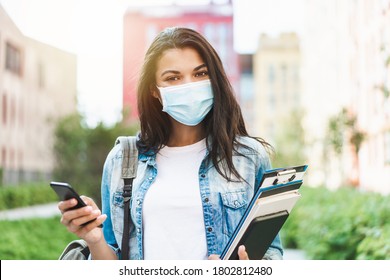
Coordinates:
188 103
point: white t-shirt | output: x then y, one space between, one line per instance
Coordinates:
173 220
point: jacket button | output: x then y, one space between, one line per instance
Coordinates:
206 199
203 176
210 229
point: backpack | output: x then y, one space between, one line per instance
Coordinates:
75 250
78 249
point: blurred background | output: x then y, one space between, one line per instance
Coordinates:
312 78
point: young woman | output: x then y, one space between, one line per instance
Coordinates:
197 165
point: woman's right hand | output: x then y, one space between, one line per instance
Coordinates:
74 219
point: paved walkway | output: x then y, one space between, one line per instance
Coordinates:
42 211
294 254
50 210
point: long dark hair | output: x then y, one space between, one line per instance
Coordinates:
223 123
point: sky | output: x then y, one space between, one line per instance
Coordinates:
76 26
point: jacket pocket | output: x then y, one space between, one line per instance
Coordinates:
117 209
234 205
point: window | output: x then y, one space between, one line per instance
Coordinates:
283 71
20 159
12 104
192 25
4 108
41 75
13 59
209 33
295 74
271 74
271 101
12 159
223 33
21 114
3 157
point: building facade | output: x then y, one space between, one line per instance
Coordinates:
326 87
141 25
345 50
369 63
247 92
277 82
37 86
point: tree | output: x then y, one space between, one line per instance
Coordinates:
80 152
342 129
290 141
70 151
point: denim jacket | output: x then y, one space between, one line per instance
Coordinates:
223 202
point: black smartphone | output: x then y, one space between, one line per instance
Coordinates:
65 192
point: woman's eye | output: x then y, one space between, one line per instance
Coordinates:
172 78
201 74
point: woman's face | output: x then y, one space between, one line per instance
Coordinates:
180 66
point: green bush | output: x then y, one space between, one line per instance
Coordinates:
341 224
33 239
26 195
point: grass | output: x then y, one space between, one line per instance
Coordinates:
341 224
33 239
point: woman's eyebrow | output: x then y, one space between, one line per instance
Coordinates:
200 67
170 72
178 72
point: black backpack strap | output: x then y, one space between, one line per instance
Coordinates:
129 171
85 251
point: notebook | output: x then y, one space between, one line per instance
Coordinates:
267 212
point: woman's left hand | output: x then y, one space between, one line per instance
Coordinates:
242 254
